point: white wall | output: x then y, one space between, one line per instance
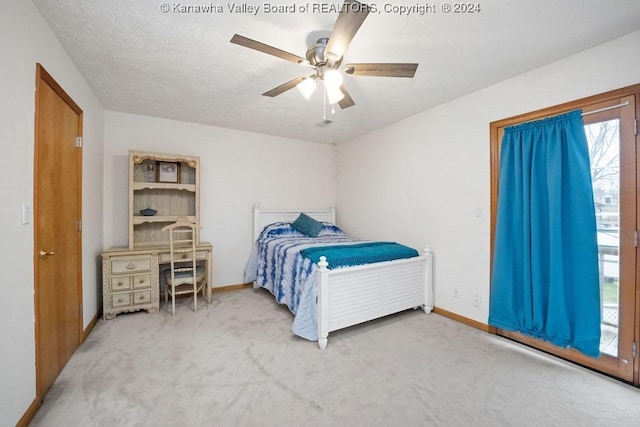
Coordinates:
24 40
238 169
419 181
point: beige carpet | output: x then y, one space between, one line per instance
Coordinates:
236 363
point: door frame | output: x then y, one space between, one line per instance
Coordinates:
44 78
496 131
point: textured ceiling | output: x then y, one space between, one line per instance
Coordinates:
180 65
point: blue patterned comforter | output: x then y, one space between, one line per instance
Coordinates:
277 265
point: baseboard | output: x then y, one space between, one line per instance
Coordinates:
29 413
465 320
90 327
229 288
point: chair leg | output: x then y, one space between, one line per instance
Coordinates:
173 301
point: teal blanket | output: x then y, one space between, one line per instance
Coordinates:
360 253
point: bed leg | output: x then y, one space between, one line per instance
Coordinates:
323 302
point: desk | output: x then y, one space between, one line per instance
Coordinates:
131 277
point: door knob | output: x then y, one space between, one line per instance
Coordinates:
44 254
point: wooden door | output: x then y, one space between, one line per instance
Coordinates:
57 235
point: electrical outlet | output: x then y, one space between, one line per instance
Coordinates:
476 300
455 293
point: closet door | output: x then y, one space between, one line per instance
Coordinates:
57 236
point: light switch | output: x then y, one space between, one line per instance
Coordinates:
26 214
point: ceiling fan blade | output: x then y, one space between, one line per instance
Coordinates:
265 48
381 69
285 87
347 101
351 17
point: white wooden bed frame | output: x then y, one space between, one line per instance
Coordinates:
351 295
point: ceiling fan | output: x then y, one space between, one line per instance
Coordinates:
325 57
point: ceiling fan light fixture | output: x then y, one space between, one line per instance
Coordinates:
333 78
325 58
334 94
307 86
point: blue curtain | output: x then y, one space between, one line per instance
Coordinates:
545 280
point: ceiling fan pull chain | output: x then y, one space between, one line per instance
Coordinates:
324 103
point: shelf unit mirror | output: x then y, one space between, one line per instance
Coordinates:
163 188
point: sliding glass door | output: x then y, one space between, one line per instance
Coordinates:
610 127
612 149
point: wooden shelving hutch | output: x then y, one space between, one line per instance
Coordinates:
174 195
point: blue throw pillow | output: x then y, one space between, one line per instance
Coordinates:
307 225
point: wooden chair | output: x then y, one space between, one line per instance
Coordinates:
184 276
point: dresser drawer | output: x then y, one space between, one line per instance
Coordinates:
141 297
121 299
120 283
141 281
165 258
130 264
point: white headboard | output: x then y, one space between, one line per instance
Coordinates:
264 217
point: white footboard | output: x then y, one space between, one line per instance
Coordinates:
352 295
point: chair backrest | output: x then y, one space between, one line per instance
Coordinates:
182 247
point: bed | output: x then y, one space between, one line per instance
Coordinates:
324 298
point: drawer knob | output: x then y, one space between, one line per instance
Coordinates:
184 256
141 297
120 300
120 283
141 281
131 266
